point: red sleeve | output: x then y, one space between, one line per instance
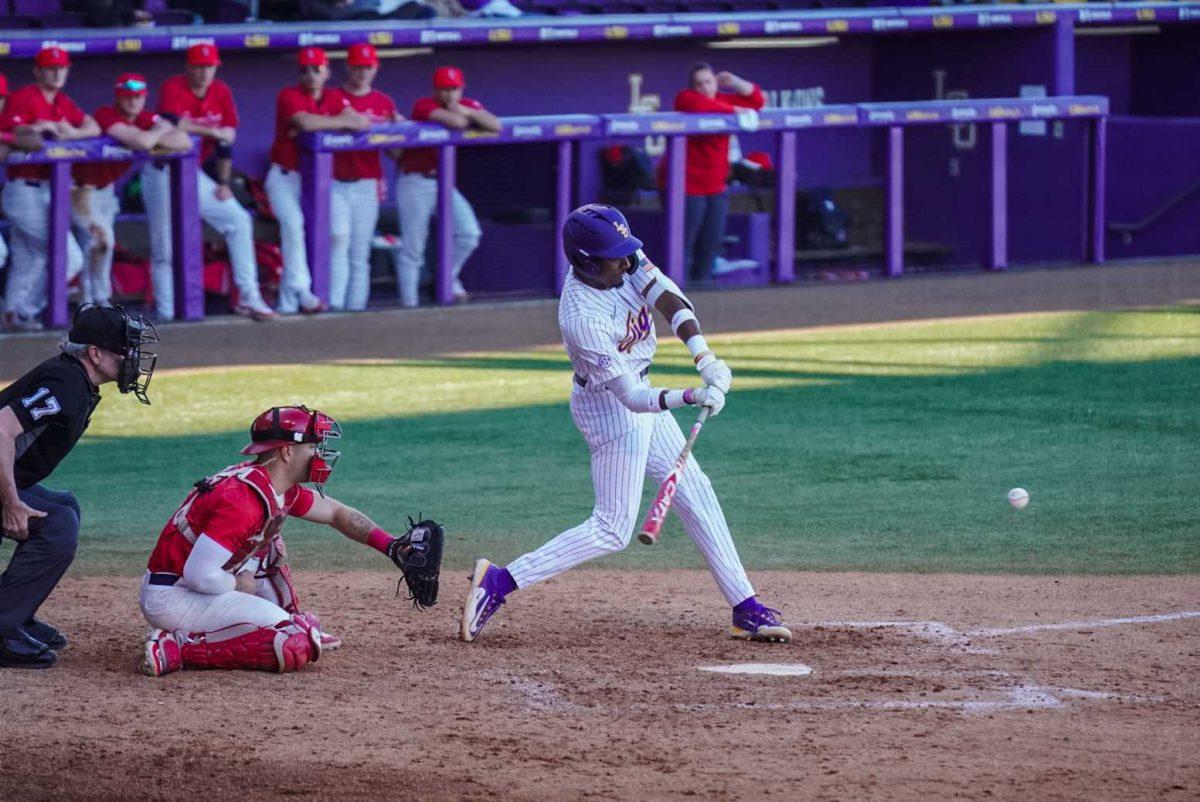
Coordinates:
235 513
15 113
298 500
146 120
754 100
106 117
389 106
290 104
72 113
229 113
169 99
422 108
471 103
692 101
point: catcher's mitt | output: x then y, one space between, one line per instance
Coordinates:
418 553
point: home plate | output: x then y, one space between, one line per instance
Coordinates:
764 669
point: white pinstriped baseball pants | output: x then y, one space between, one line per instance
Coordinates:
27 207
350 256
283 189
416 203
98 255
627 447
227 216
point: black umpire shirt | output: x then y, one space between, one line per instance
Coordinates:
54 403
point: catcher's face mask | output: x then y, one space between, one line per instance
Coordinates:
320 468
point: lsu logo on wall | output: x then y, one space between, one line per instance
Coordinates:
380 37
129 45
258 40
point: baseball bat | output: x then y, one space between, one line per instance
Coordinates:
657 514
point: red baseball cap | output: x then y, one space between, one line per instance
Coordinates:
131 84
311 57
203 55
761 158
362 55
448 78
3 84
52 57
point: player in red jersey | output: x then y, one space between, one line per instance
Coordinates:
93 202
358 177
303 108
416 185
202 105
217 588
40 109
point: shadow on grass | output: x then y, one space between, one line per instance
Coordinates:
859 473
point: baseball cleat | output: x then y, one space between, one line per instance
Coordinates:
258 312
330 642
483 600
755 621
163 655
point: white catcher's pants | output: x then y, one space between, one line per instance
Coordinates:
416 202
228 217
627 447
177 607
27 208
350 255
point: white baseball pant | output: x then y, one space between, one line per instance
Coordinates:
177 607
228 217
97 251
27 206
3 252
283 189
416 202
350 257
620 463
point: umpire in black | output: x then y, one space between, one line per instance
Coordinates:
42 415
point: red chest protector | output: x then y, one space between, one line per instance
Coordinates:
255 477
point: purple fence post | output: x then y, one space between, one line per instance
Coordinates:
445 218
1064 55
785 210
562 208
185 238
316 182
998 251
1098 148
56 316
676 163
893 229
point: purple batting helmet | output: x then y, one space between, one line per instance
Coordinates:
597 231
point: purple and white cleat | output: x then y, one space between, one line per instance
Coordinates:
755 621
483 600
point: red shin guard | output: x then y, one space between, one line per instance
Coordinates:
287 646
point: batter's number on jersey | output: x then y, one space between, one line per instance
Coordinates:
47 404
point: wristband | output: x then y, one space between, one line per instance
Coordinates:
379 540
698 347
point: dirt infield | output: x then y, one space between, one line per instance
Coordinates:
1012 687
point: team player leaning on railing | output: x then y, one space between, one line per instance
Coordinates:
199 104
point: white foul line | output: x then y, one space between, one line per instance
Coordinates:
1104 622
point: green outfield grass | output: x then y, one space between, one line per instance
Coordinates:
872 448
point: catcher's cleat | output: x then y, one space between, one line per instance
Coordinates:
330 642
483 600
163 655
754 621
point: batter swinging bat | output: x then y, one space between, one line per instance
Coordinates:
657 514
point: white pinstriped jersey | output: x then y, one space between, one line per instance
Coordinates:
607 333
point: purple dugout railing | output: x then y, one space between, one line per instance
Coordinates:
317 163
316 168
185 219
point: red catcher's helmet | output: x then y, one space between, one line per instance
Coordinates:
286 426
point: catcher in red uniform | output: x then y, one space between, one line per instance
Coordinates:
218 590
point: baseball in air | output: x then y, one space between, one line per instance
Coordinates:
1018 497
